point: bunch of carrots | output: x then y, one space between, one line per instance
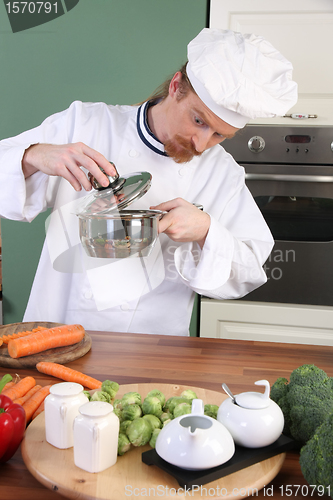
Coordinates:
31 395
28 394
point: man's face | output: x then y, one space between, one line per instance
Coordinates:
190 128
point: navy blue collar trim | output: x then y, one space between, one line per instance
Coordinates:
145 134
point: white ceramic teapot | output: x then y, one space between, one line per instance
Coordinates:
252 418
195 441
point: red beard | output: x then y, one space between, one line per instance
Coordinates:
180 150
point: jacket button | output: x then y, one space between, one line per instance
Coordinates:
124 306
88 294
181 172
132 153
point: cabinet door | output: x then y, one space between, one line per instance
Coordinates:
302 30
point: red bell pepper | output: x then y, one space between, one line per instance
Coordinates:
12 427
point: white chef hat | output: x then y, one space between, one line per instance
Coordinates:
240 77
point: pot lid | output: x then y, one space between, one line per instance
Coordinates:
254 400
119 194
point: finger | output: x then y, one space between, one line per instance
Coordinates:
169 205
165 223
99 160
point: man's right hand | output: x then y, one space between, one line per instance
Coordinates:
65 161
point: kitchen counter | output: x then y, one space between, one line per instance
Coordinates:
200 362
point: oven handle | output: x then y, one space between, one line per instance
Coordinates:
289 178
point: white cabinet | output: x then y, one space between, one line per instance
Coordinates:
302 30
267 322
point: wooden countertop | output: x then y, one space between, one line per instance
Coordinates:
200 362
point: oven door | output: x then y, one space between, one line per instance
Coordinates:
297 204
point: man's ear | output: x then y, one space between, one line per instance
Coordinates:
174 84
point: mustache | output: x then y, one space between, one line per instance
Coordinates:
180 149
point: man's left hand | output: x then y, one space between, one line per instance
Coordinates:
184 221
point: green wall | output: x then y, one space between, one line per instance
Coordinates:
115 51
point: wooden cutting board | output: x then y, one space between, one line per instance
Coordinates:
55 468
60 355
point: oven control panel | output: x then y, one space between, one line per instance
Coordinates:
282 144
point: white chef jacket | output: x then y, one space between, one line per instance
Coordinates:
150 295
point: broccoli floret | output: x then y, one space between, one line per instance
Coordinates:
279 389
305 401
110 387
316 458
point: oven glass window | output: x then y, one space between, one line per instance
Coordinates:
298 219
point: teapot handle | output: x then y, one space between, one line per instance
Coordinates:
197 407
265 383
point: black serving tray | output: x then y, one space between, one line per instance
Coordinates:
242 458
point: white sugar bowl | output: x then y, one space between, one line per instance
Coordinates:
61 408
195 441
253 419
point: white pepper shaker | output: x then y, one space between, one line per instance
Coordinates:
96 431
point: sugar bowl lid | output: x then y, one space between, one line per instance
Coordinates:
119 194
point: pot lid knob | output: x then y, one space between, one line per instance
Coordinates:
115 183
255 400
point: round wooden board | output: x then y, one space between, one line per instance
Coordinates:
55 468
60 355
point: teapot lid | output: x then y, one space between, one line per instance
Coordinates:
254 400
119 194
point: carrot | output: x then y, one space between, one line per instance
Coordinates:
1 341
65 373
17 335
38 411
7 386
23 399
33 403
21 388
47 339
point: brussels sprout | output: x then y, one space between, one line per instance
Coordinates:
117 404
124 425
87 393
153 438
152 405
154 421
211 410
139 432
130 412
182 409
188 394
110 387
157 394
173 402
166 415
123 444
131 398
101 396
118 412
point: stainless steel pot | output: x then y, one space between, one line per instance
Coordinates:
119 235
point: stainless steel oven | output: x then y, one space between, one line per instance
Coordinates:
289 171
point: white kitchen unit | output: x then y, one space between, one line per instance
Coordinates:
288 323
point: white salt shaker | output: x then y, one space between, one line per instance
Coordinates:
96 431
61 408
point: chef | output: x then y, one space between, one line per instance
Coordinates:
176 135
